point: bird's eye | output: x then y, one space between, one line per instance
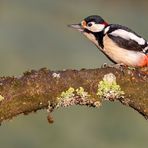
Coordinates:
89 24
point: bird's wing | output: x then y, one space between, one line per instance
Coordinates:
127 39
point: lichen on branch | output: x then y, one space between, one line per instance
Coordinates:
41 89
109 89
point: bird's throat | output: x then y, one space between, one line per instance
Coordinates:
95 37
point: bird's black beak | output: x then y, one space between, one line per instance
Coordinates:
77 27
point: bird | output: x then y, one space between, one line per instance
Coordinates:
119 43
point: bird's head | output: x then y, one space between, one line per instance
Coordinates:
90 24
90 27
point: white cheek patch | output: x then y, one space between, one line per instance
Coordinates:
96 27
128 35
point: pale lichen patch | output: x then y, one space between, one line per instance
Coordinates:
68 93
1 98
80 91
97 104
66 98
50 107
108 88
24 103
76 96
56 75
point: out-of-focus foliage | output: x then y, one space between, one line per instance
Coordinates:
34 34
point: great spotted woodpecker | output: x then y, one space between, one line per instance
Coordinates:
118 43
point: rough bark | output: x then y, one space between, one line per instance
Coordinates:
41 89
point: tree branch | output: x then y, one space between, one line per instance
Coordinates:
52 89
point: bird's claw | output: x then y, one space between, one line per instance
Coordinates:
104 65
117 66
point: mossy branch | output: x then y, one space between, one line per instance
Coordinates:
52 89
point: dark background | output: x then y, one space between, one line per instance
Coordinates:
34 34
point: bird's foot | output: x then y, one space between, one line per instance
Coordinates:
118 66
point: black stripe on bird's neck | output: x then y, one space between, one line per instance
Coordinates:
98 35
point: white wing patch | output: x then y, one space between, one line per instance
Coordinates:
128 35
106 29
145 50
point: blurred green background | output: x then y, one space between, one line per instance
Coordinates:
34 34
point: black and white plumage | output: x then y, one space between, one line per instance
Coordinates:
119 43
126 38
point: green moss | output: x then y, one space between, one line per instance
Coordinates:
108 88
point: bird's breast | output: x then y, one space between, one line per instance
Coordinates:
120 55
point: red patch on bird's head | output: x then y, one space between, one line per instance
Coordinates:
105 23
